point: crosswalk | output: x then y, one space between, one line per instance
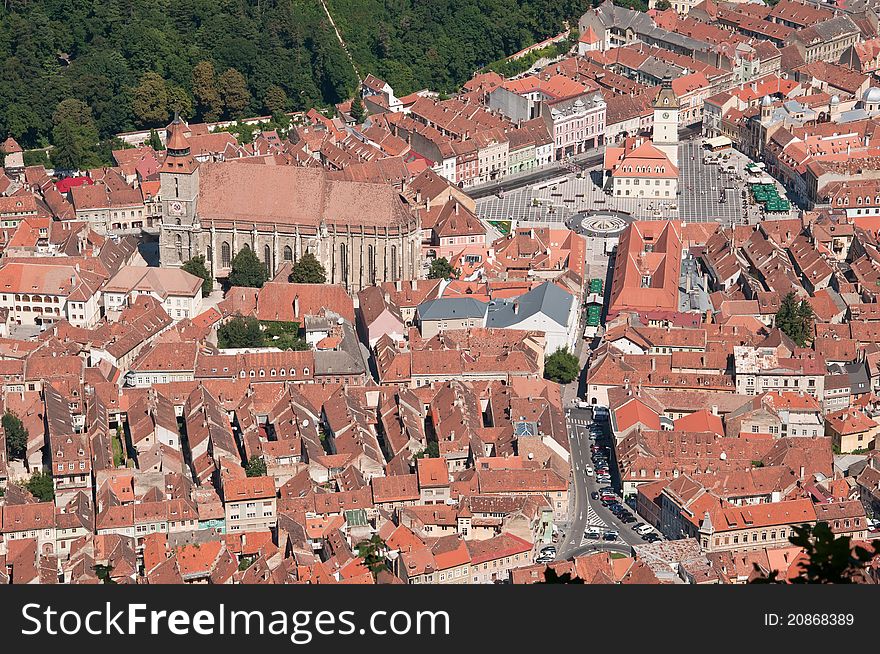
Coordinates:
593 519
593 522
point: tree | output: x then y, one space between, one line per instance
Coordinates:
358 111
795 318
196 266
154 141
662 5
275 99
149 102
204 88
16 436
68 152
561 366
256 467
41 486
372 551
247 270
432 451
234 92
179 101
75 136
308 270
440 269
240 332
829 560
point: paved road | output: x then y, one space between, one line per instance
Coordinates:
579 501
585 512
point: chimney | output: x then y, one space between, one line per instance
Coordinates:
414 284
398 286
714 409
296 305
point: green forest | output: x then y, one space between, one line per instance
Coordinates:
79 72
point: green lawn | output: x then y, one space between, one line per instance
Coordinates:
118 449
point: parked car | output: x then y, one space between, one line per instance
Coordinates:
592 535
589 471
637 525
594 495
544 559
609 536
644 529
548 551
650 537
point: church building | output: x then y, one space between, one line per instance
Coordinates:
362 233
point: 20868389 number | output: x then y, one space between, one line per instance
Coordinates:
819 619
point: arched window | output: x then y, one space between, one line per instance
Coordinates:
371 265
267 258
179 244
394 274
288 253
343 263
225 255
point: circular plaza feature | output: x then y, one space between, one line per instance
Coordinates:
599 223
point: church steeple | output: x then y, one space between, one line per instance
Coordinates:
178 156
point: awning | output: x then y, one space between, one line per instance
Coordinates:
719 142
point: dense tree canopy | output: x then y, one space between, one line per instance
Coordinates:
16 436
308 270
247 270
240 332
196 266
413 44
562 367
134 62
41 486
441 269
256 467
795 318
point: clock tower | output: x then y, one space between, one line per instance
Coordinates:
666 108
179 192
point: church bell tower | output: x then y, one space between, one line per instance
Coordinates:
178 192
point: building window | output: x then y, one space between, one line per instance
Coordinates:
288 253
225 254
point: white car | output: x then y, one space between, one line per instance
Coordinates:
589 471
644 529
